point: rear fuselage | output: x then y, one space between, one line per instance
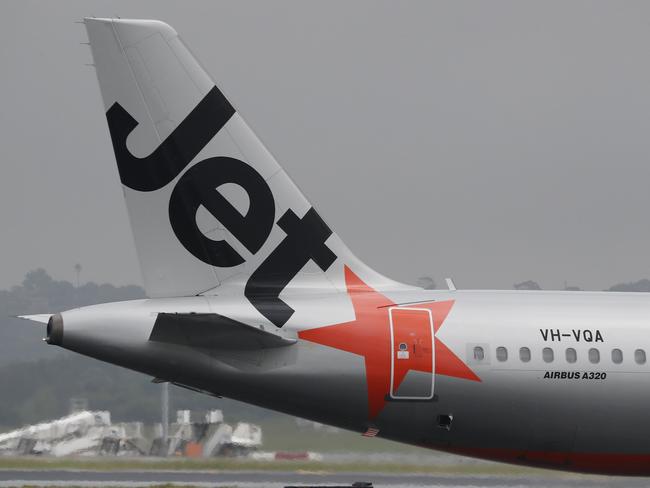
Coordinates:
555 379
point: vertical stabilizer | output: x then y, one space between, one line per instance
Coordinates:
209 205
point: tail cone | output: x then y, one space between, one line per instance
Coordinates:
55 330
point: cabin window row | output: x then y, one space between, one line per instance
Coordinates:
570 354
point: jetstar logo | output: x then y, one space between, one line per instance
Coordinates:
368 335
197 187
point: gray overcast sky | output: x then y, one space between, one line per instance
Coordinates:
488 141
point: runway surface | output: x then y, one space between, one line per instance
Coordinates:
260 479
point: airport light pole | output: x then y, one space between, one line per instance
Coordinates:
165 415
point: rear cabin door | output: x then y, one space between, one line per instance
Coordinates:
412 351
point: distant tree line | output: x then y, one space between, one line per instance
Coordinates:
39 293
40 390
634 286
37 381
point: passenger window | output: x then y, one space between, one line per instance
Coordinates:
502 354
479 354
617 356
639 356
547 355
594 356
571 355
524 354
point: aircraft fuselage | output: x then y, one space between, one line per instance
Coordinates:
495 390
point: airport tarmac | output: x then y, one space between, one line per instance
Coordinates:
259 479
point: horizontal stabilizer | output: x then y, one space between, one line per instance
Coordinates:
213 331
41 318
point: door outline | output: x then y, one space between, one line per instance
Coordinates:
392 355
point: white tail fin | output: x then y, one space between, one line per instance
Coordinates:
208 203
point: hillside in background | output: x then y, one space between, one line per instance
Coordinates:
38 390
39 293
37 381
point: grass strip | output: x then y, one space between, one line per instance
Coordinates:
215 465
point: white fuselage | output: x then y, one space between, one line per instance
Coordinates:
541 394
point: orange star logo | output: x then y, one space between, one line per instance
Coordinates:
368 335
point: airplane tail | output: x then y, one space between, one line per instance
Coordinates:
209 205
